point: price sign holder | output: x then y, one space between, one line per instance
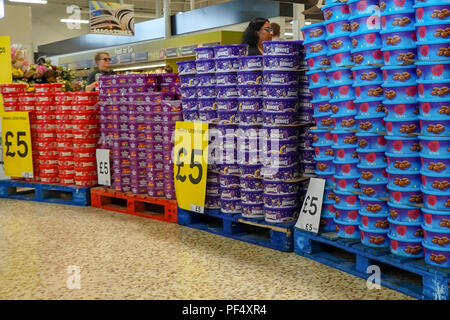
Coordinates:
103 167
309 218
16 144
190 157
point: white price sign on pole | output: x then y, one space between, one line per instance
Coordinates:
103 167
309 218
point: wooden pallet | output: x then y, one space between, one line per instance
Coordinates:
412 277
41 192
278 236
136 204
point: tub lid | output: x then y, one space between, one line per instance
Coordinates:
433 81
345 115
340 100
398 48
354 34
368 183
408 66
405 155
395 188
432 62
432 118
359 150
402 239
369 100
399 102
368 214
356 208
381 166
345 161
437 212
441 138
368 84
402 84
347 193
364 67
406 223
336 20
435 248
393 171
309 72
323 159
362 228
403 30
399 138
349 83
335 69
318 24
432 23
429 4
387 119
439 157
345 223
347 177
431 174
398 12
337 36
365 49
437 41
322 145
319 130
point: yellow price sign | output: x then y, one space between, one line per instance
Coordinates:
190 154
16 144
5 61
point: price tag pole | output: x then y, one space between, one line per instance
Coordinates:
190 154
309 218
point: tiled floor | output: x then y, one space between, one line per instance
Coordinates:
120 256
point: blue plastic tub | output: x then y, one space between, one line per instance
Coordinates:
434 126
400 92
398 20
342 107
344 153
342 91
374 238
436 219
436 256
401 179
313 32
425 11
330 181
368 141
349 184
365 40
340 58
373 173
334 11
405 230
371 157
368 91
433 50
337 44
374 222
346 168
404 38
365 23
393 75
392 6
318 61
370 107
406 162
345 200
373 189
402 145
337 27
408 248
404 196
363 7
431 70
347 214
398 56
366 75
339 76
317 77
439 146
436 200
371 124
435 164
316 47
373 205
374 56
347 230
402 213
430 31
433 90
401 110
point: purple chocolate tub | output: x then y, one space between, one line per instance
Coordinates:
281 77
279 91
250 105
278 118
252 197
205 80
250 91
188 80
436 219
251 184
280 215
339 76
280 173
206 92
402 213
251 118
365 40
402 127
204 53
212 202
406 162
401 110
251 63
281 62
227 65
253 211
282 47
373 56
371 205
205 66
371 141
250 77
226 79
227 92
433 50
226 104
374 238
186 67
281 201
206 104
280 187
230 51
230 206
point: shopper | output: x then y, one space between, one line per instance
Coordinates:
103 61
276 31
258 30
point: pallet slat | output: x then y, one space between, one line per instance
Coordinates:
40 192
135 204
409 276
275 236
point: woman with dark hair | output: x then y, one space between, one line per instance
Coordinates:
258 30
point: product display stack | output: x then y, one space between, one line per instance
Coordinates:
433 78
137 122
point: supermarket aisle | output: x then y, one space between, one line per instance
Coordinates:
126 257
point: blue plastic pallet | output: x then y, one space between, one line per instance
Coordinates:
76 196
278 236
412 277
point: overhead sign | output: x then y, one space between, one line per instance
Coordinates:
190 154
111 18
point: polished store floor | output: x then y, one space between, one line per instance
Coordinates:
66 252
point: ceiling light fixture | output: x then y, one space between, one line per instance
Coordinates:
30 1
288 33
74 21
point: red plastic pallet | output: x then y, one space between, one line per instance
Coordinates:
136 204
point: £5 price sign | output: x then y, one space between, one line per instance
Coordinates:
190 158
309 218
16 143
